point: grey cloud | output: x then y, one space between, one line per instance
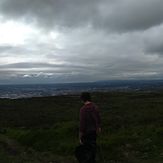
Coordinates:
99 56
37 65
154 45
127 68
12 50
153 41
4 48
36 68
109 15
112 56
133 15
49 13
155 48
52 76
85 50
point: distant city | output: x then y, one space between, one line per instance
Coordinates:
40 90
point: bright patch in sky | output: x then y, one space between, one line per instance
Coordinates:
14 33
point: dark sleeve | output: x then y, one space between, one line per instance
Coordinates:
82 120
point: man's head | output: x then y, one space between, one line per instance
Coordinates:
85 96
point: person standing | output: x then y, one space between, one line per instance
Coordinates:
90 126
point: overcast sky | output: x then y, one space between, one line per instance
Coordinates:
48 41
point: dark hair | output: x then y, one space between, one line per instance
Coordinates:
85 96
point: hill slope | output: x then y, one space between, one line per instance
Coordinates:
40 130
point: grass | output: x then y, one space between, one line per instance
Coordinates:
45 129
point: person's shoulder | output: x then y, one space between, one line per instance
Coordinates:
94 104
82 108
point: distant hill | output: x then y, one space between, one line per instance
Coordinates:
42 90
133 84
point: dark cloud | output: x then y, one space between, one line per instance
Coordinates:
153 41
28 65
116 15
51 12
133 15
155 48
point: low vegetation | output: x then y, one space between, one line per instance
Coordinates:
45 129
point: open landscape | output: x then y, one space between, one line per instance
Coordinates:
53 50
45 129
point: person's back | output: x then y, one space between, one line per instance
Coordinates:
89 127
89 119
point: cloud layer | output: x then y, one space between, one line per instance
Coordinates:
74 40
118 15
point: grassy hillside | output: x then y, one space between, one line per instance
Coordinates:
45 129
